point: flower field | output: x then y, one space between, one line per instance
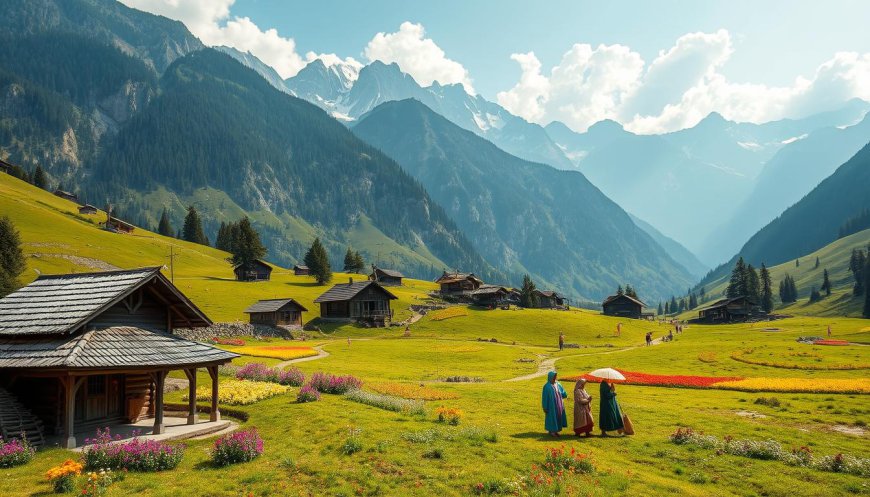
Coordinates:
830 342
412 391
801 385
283 352
240 392
447 313
744 356
636 378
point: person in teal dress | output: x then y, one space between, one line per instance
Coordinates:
610 417
552 397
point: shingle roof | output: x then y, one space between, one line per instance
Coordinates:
61 304
256 261
300 266
272 305
454 277
489 289
389 272
347 291
548 293
726 301
614 297
114 348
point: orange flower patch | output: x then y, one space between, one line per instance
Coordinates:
412 391
661 380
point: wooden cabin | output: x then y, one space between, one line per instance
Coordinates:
549 299
118 226
623 306
255 271
490 296
458 283
730 309
72 197
361 301
386 277
5 166
299 270
87 209
81 351
276 312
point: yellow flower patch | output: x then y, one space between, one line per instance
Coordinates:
744 356
447 313
801 385
412 391
284 352
240 392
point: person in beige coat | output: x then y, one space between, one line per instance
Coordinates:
583 421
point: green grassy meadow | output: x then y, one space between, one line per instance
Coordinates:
501 435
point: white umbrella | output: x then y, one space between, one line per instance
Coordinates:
607 374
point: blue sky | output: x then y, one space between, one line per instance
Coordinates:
653 66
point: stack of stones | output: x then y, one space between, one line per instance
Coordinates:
230 330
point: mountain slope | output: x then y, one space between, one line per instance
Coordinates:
251 61
520 215
673 248
377 83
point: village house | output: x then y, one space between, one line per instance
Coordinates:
299 270
276 312
82 351
386 277
5 166
623 306
490 296
364 301
456 283
255 271
730 309
549 299
87 209
72 197
118 226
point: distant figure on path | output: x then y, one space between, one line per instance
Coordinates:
648 338
609 416
561 340
554 408
671 336
829 331
583 421
619 329
348 342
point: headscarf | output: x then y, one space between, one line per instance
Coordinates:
550 376
580 384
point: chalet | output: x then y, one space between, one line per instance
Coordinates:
386 277
624 306
119 226
301 270
363 301
81 351
66 195
490 296
5 166
254 271
549 299
730 309
276 312
87 209
458 283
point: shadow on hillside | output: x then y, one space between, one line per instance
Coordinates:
536 435
215 278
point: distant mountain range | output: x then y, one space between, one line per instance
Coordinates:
522 216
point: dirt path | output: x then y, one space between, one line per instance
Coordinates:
320 355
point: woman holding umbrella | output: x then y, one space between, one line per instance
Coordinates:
610 416
554 408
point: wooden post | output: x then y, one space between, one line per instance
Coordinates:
191 403
215 412
71 385
159 382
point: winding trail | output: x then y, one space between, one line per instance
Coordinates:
320 355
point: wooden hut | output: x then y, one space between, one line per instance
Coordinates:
363 301
386 277
255 271
623 306
5 166
457 283
72 197
87 209
276 312
118 226
300 270
730 309
549 299
81 351
490 296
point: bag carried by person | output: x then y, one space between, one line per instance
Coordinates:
627 427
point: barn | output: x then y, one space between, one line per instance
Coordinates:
81 351
254 271
119 226
490 296
72 197
386 277
457 283
623 306
549 299
300 270
730 309
362 301
87 209
276 312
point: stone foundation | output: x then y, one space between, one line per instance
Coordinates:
231 330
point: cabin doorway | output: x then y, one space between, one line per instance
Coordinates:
99 399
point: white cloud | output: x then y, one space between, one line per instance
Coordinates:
210 21
418 56
676 90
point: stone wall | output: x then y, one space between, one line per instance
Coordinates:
235 329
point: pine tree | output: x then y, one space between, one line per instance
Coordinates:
752 287
682 306
737 283
797 263
660 310
39 178
693 300
223 240
246 246
349 261
856 264
867 285
358 262
629 290
787 290
164 228
12 262
674 306
528 298
817 263
826 284
766 289
620 291
667 308
192 230
703 294
815 296
317 261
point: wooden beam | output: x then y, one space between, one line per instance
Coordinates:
191 395
71 385
160 380
215 412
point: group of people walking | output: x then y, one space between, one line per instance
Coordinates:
553 399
